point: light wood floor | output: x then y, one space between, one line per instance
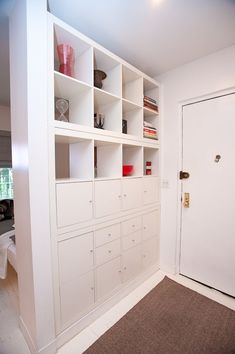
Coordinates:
11 338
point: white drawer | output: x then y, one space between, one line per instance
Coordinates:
107 252
131 225
107 234
131 240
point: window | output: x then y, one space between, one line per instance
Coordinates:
6 183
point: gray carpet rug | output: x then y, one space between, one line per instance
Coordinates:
171 319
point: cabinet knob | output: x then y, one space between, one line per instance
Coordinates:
110 251
145 227
92 288
124 195
133 240
91 251
119 271
124 268
119 196
144 255
145 191
133 225
109 234
90 201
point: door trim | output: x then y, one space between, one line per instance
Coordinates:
181 104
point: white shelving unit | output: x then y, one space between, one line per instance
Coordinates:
105 226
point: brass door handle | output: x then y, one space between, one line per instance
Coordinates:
186 200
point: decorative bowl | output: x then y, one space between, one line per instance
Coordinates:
127 170
98 77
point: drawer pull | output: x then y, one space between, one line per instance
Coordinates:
119 271
110 251
145 227
92 288
133 240
124 195
124 268
91 251
109 235
144 255
133 225
119 196
90 201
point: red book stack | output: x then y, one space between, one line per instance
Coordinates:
150 131
151 104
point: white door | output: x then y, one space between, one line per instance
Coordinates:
107 197
74 203
208 224
151 190
131 193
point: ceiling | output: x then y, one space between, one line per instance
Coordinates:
153 35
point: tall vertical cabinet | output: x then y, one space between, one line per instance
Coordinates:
104 226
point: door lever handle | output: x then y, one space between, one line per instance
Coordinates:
186 200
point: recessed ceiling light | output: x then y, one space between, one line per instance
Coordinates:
156 2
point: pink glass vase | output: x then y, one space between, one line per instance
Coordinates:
66 59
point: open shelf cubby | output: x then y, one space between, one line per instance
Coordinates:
110 107
73 157
151 155
107 159
132 86
133 155
134 116
112 82
83 60
79 97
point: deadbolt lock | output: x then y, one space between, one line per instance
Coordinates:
186 200
184 175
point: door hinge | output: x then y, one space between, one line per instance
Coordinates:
184 175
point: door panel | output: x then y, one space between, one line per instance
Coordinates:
107 197
131 193
74 203
208 225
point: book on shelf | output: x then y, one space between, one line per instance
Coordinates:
150 132
149 99
151 106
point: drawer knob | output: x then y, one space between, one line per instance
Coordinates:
92 288
145 191
145 227
119 271
110 251
91 251
133 225
109 234
124 268
124 195
119 196
90 201
133 240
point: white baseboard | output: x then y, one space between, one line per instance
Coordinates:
50 348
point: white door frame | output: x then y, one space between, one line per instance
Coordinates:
181 104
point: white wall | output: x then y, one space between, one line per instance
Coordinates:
207 75
5 118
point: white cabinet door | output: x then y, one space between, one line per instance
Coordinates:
151 190
131 263
131 193
107 197
76 297
74 203
150 252
108 278
151 224
76 256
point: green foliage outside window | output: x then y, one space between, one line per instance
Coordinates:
6 183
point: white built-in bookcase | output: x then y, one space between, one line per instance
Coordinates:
89 194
